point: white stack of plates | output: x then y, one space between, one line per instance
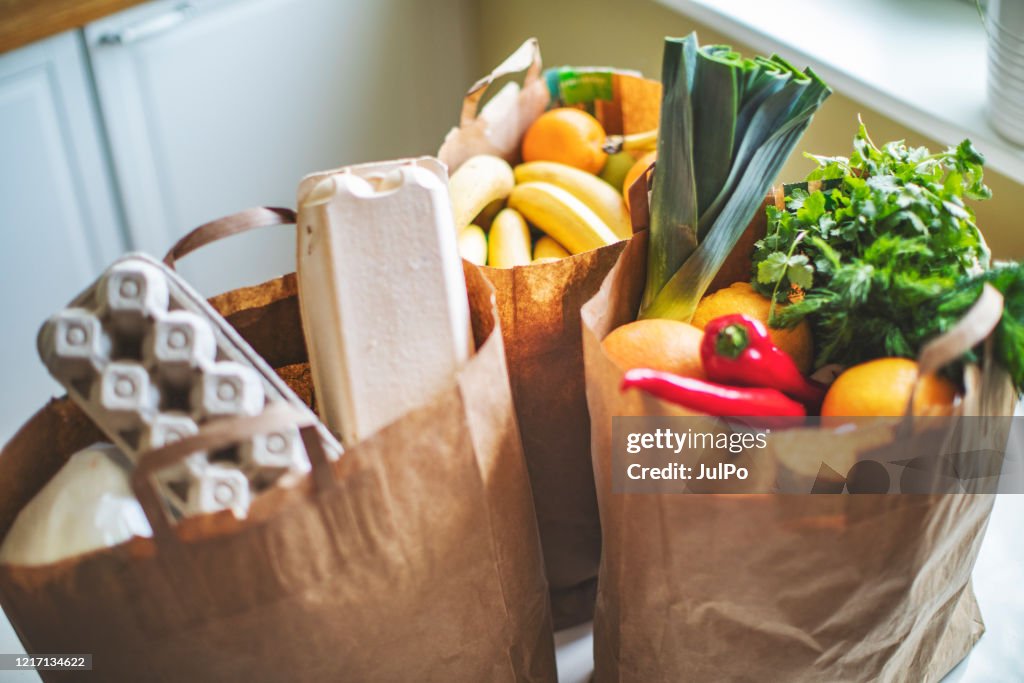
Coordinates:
1005 20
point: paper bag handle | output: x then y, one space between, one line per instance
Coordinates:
973 328
215 436
525 58
234 224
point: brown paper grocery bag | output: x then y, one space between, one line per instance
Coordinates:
414 556
539 306
775 587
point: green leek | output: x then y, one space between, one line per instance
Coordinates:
728 124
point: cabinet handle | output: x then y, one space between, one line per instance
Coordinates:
149 28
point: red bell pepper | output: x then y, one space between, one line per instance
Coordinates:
737 350
715 399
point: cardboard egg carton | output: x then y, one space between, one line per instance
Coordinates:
376 242
150 361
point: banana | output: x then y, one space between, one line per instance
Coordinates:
473 245
547 249
478 182
635 142
566 219
487 214
509 243
597 194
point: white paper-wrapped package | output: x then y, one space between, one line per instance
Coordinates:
87 505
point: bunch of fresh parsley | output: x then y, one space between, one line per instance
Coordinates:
886 255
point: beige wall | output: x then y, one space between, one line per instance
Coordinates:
628 34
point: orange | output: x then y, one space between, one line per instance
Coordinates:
882 388
568 136
639 167
741 297
667 345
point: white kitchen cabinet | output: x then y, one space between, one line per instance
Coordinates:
59 225
204 108
214 106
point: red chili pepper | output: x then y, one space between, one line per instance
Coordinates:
711 398
737 350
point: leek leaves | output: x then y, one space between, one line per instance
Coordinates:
728 124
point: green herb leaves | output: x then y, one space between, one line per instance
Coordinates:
727 126
885 253
796 268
